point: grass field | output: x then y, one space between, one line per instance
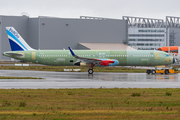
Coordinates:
62 104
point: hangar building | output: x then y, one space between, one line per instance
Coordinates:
59 33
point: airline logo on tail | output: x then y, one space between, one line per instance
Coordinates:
14 33
17 43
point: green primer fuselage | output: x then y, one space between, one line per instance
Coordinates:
125 58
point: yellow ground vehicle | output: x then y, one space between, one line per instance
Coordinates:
173 69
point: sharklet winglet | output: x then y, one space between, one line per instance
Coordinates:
72 53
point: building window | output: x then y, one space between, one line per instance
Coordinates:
146 35
146 39
150 30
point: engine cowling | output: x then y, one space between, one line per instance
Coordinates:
79 63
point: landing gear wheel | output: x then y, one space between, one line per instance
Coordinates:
153 71
90 71
148 71
166 71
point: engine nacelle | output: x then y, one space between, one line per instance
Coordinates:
79 63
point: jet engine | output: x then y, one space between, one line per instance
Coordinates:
80 63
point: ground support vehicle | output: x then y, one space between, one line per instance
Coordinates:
173 69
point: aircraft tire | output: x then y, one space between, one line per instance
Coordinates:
148 71
166 71
90 71
153 72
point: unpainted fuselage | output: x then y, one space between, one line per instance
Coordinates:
125 58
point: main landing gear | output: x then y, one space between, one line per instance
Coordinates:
90 71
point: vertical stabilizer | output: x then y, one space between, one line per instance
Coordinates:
17 43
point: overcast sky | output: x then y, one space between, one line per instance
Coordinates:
95 8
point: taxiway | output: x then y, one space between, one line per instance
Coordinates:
83 80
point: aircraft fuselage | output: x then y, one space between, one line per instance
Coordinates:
124 58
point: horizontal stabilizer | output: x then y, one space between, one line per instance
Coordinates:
15 54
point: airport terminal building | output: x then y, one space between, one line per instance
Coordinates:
92 32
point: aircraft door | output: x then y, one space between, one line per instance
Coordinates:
151 59
157 60
33 55
28 56
156 55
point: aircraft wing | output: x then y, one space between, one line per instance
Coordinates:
87 60
103 62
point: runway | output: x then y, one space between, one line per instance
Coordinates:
83 80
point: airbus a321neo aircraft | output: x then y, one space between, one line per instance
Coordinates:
22 51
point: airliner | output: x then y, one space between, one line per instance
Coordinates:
20 50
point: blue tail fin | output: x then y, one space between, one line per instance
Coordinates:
17 43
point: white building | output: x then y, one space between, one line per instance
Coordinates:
150 34
146 38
